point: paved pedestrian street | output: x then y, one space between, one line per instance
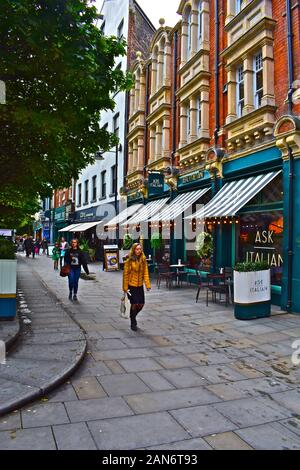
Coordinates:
192 377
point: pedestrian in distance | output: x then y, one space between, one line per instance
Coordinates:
45 246
135 275
75 259
64 246
28 245
56 255
37 247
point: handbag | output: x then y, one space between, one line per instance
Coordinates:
65 271
124 308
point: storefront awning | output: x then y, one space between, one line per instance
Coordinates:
148 211
177 207
85 227
69 228
233 196
124 215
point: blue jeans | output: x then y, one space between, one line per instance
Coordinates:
74 279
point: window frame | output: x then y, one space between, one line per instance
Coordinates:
113 180
116 119
103 184
258 92
94 188
240 81
120 30
79 194
86 192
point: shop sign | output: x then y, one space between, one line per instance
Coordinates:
264 249
60 214
190 178
156 184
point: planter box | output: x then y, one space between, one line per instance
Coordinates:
8 289
252 294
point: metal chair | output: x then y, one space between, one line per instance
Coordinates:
164 273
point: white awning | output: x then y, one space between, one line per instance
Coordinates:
85 227
177 207
234 196
70 228
124 215
148 211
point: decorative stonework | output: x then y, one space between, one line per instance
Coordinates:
287 134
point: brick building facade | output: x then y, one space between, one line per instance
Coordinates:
228 116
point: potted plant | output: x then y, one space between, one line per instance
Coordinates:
84 246
204 248
128 242
252 290
8 280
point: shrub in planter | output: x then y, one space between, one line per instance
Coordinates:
8 280
156 241
127 242
7 249
252 291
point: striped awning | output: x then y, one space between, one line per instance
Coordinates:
124 215
70 228
177 207
85 227
148 211
234 196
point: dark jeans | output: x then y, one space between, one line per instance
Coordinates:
74 279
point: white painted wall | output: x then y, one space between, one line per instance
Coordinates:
114 12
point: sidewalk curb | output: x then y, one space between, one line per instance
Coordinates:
38 392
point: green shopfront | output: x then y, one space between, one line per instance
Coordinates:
60 221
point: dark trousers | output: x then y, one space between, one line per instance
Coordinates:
74 279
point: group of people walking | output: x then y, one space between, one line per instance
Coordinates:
33 247
135 275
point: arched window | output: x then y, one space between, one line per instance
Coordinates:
163 57
188 19
155 69
200 23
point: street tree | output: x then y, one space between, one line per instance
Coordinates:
59 72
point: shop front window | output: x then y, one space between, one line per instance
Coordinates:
261 239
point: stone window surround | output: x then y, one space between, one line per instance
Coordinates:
268 98
191 40
138 92
161 60
160 139
196 131
136 154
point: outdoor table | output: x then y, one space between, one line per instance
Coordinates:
177 267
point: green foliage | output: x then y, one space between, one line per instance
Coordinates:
204 245
84 245
156 241
127 242
7 249
250 267
60 73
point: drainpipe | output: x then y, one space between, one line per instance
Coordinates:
174 98
290 55
217 54
125 158
146 123
290 232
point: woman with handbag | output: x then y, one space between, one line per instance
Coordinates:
74 259
135 275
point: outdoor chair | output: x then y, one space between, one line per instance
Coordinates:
201 284
217 285
165 273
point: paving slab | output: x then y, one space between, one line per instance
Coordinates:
155 381
136 432
189 444
123 384
27 439
183 378
75 436
203 420
270 437
252 411
170 400
87 388
227 441
90 410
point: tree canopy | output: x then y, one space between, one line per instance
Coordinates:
60 73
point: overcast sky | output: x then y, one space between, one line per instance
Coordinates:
156 9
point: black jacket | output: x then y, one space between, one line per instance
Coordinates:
76 259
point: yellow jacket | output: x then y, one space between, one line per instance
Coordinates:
135 275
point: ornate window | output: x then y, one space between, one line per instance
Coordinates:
258 79
200 23
189 41
238 6
240 90
199 116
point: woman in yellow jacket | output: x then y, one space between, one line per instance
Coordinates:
135 275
